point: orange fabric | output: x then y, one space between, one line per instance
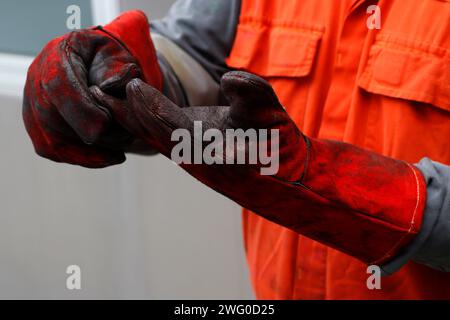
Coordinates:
385 90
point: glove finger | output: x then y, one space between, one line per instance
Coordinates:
38 137
56 145
116 84
113 67
253 101
156 114
51 136
67 88
119 109
122 114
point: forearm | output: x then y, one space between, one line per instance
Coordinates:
193 41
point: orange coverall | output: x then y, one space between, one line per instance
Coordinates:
385 90
339 77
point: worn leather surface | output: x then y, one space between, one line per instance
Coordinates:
64 121
359 202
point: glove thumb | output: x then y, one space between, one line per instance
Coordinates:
252 99
113 77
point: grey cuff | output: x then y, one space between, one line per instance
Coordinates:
172 87
431 246
199 87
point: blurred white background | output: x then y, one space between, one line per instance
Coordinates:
143 230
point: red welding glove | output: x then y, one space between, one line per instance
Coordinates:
63 120
356 201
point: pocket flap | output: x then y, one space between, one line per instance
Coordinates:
275 51
414 72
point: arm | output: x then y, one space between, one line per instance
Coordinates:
364 204
193 41
191 22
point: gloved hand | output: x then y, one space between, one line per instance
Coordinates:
65 123
359 202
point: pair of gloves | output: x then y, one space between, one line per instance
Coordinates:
91 93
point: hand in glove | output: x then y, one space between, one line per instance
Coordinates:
359 202
65 123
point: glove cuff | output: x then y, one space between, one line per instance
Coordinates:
132 29
369 206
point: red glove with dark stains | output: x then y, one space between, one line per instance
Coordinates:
356 201
64 121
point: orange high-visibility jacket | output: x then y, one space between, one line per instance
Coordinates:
386 90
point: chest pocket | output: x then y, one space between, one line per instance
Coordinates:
405 99
284 55
408 70
270 50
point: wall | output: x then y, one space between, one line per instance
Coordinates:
26 26
153 8
142 230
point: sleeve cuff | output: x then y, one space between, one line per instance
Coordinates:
435 195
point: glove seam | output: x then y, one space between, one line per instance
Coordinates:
41 130
68 49
124 46
101 29
411 230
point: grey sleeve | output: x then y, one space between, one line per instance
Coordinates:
431 246
195 32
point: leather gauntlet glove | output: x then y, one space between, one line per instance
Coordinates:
64 121
356 201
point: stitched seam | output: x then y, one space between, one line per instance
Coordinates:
41 130
407 94
276 23
398 40
69 50
270 258
412 222
436 53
